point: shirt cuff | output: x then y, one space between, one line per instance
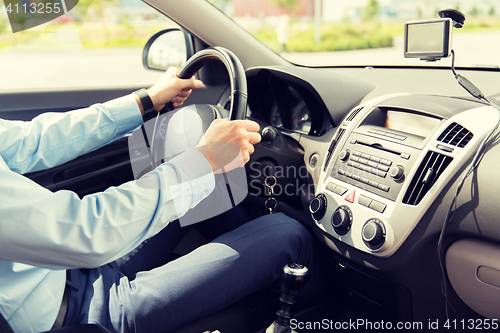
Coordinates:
125 113
196 167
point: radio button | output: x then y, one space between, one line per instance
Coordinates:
367 156
356 153
383 187
375 159
363 161
356 177
340 190
379 173
372 164
368 169
364 201
383 167
354 159
405 156
330 186
378 206
365 180
386 162
372 183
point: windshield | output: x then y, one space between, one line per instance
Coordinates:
364 32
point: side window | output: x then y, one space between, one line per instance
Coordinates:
97 43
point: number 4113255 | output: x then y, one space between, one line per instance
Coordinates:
34 8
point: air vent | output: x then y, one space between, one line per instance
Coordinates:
456 135
354 113
334 143
428 172
337 139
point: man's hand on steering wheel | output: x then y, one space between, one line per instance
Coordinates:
170 88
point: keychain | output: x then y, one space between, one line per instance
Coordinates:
271 202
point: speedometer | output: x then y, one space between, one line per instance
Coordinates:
301 118
275 117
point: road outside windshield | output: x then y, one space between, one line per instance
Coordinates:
96 43
99 43
364 32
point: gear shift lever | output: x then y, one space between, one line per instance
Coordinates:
294 277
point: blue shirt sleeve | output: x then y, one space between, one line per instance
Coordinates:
59 230
42 232
54 138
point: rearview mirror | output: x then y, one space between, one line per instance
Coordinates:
170 47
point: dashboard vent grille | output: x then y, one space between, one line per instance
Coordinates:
354 113
337 138
456 135
334 143
428 172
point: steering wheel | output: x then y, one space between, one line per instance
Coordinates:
236 73
207 112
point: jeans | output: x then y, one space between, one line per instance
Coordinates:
208 279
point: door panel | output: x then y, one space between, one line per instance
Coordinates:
25 105
100 169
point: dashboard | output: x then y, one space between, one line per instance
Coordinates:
384 156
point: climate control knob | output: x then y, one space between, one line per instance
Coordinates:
317 206
341 220
373 233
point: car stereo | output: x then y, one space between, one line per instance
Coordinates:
386 164
379 151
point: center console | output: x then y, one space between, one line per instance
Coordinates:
388 161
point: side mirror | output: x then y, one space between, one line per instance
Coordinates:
169 47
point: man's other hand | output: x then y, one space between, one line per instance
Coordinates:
229 144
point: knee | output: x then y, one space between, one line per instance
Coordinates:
286 227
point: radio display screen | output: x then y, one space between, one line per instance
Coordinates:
410 123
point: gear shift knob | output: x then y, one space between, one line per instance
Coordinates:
294 277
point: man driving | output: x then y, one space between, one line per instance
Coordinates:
61 256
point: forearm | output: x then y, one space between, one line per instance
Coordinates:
60 230
54 138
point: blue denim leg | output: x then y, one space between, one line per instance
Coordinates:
202 282
153 252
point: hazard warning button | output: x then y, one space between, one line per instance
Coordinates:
350 197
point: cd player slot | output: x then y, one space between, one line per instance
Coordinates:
378 146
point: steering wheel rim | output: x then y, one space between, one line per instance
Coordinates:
207 113
237 79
